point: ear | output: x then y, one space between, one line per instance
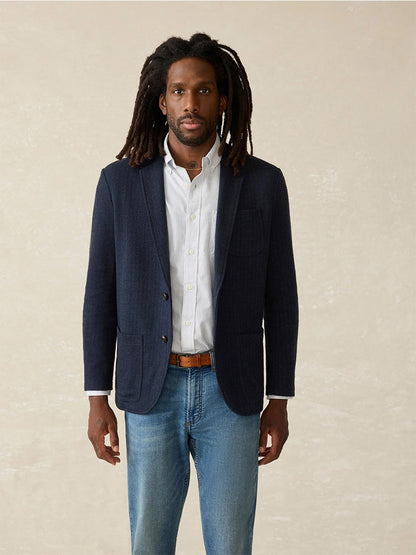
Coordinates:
223 104
162 104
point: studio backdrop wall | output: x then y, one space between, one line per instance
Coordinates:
333 86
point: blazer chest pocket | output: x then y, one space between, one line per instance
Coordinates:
247 238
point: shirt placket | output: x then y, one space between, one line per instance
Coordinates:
190 285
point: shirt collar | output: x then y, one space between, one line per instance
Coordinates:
212 159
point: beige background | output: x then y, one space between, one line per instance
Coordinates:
333 88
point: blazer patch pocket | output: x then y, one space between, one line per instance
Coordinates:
247 238
129 366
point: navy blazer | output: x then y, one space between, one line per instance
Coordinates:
127 296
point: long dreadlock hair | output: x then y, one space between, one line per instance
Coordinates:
148 127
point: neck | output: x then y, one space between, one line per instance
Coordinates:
189 157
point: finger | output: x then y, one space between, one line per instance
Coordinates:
113 455
272 452
268 457
103 451
110 451
106 454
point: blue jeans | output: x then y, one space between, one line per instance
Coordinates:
191 416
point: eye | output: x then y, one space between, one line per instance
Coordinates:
177 91
204 91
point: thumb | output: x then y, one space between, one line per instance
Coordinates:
114 438
263 441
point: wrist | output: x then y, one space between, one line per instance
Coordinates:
278 402
98 400
278 406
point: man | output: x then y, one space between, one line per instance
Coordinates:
190 251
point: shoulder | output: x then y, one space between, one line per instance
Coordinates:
263 177
121 170
258 168
255 167
263 180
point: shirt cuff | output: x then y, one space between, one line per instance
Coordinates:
279 397
97 393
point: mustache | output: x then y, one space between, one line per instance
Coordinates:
191 117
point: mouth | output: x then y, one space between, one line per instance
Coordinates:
191 123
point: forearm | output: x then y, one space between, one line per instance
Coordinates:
100 308
281 312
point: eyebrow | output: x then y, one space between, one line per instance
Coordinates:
199 84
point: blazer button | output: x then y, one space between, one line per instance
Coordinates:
164 339
166 296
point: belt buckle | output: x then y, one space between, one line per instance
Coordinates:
178 359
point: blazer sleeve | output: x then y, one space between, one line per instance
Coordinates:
281 313
100 311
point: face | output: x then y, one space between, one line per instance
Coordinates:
192 103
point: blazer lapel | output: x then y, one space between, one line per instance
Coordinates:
229 194
151 176
154 193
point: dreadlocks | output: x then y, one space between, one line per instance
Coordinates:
148 126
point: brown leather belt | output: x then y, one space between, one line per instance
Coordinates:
190 361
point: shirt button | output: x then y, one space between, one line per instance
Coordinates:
191 251
164 339
193 216
190 287
165 296
188 184
187 323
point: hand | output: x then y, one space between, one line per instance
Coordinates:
103 421
273 423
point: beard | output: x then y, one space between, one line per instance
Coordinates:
205 133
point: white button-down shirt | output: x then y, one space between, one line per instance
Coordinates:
191 213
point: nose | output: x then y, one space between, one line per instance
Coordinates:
191 102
